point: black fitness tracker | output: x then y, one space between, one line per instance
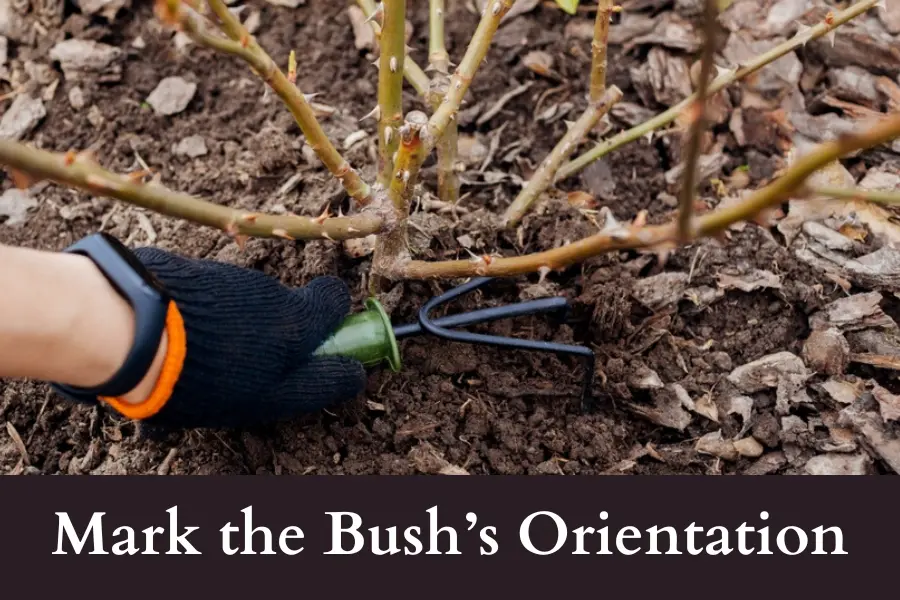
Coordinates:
149 301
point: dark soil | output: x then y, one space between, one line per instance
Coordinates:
481 409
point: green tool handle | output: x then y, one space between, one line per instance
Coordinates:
366 336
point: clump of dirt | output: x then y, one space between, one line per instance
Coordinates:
454 406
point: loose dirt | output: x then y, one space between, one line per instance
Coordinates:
484 410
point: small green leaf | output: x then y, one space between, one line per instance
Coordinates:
570 6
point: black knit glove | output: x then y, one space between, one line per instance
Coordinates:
249 343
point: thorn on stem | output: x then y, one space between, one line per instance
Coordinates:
138 176
375 113
281 233
168 12
21 180
321 218
292 67
378 13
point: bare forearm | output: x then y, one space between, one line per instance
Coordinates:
60 320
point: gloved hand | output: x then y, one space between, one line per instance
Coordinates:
249 345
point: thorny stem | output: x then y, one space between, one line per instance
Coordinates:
412 71
629 135
390 85
543 177
698 124
661 236
494 12
244 46
447 146
599 47
438 58
391 245
409 160
891 198
80 171
459 85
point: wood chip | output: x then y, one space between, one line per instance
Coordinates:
17 440
888 403
661 290
767 372
860 311
750 281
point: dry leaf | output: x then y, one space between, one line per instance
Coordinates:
580 199
539 62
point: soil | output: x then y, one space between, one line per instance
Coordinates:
481 409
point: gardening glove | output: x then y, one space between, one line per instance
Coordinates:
248 346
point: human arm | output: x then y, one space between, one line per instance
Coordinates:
62 321
237 348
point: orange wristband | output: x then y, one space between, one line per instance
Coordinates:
168 376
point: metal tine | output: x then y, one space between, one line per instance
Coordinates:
431 326
484 315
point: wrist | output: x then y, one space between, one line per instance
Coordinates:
106 331
101 329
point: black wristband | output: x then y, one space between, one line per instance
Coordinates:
147 298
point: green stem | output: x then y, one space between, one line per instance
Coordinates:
664 236
391 249
890 198
438 57
664 118
462 78
78 171
543 177
412 71
244 46
390 85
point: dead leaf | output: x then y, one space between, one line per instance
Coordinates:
826 351
580 199
888 403
860 311
668 408
752 280
767 372
838 464
661 290
748 447
842 391
539 62
870 425
715 445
